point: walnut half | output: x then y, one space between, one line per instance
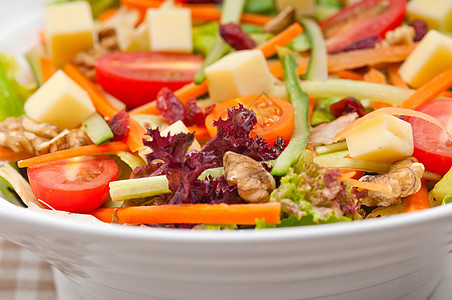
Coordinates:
253 182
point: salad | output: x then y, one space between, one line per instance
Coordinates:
231 114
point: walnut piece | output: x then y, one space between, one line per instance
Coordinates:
253 182
283 20
404 178
402 35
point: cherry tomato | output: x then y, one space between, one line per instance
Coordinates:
368 18
136 77
275 116
77 185
431 145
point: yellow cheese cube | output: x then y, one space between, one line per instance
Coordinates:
384 138
170 29
302 7
437 14
69 30
239 73
61 101
179 127
432 56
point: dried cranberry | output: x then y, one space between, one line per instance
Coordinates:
236 37
119 125
420 28
346 106
169 106
193 114
365 43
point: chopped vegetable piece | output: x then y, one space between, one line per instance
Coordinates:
138 188
419 200
97 129
281 39
241 214
318 64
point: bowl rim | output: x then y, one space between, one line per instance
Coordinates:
40 221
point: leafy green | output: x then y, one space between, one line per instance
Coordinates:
260 7
7 192
97 6
321 113
12 93
300 43
204 37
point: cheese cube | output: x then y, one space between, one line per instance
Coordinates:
170 29
60 101
384 139
179 127
432 56
238 73
69 30
437 14
302 7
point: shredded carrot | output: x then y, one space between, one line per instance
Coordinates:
10 155
419 200
348 74
376 76
394 76
42 37
242 214
447 94
350 174
135 136
429 91
371 186
48 68
380 104
113 147
107 14
312 102
281 39
100 102
351 59
200 132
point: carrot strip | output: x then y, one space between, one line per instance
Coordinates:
112 147
242 214
429 91
105 15
375 76
312 102
371 186
419 200
447 94
42 36
48 68
10 155
100 102
394 76
348 74
281 39
135 136
200 131
352 59
380 104
350 174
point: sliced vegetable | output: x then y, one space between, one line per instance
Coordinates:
275 116
138 188
74 185
97 129
364 19
112 147
318 64
11 101
10 155
419 200
48 68
241 214
281 39
352 164
300 102
33 57
442 188
19 183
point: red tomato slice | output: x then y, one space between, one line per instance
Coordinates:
431 145
362 20
136 77
275 116
77 185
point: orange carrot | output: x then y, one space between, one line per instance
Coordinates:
200 131
135 136
380 104
100 102
242 214
350 174
418 200
312 102
348 74
113 147
375 76
394 76
281 39
48 68
447 94
10 155
352 59
107 14
42 36
429 91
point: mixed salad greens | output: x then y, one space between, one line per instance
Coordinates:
231 114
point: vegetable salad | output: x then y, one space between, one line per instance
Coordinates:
231 114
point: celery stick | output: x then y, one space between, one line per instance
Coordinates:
138 188
352 163
97 129
324 149
318 64
231 13
359 89
301 132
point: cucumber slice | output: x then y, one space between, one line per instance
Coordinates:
32 57
97 129
138 188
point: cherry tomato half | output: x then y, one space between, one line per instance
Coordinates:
431 145
77 185
275 116
364 19
136 77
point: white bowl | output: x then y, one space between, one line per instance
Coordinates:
401 257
